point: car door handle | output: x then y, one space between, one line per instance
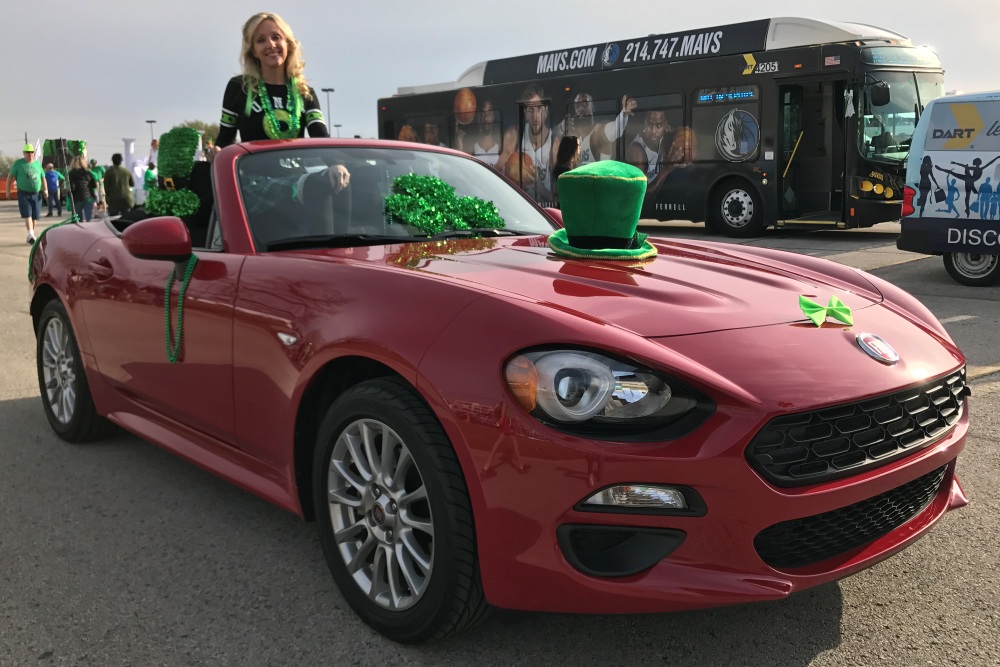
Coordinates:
101 269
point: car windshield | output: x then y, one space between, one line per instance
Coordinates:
885 131
290 202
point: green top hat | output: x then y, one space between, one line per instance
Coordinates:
600 204
175 161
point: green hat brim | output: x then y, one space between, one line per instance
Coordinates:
559 243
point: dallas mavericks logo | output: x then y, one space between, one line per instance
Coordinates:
610 55
737 135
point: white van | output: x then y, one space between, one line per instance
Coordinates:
951 201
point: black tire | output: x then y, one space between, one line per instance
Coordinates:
411 517
62 381
973 269
735 209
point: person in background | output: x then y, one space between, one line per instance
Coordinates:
52 178
98 172
154 150
567 157
31 187
83 188
149 178
118 184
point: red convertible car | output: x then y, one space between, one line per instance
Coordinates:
475 421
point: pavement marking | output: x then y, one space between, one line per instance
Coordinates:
977 372
871 258
957 318
986 389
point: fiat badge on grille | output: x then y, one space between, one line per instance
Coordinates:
877 349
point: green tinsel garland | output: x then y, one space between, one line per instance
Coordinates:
181 203
430 205
176 155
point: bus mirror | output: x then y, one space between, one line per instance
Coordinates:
879 94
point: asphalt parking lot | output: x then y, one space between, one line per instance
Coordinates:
118 553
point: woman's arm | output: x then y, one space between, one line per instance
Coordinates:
233 102
312 117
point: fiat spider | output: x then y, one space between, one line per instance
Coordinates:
474 420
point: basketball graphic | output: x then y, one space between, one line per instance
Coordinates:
465 106
683 147
407 133
519 167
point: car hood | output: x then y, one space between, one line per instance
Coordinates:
687 288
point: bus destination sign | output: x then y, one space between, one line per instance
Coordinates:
719 41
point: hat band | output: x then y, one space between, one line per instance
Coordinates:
598 242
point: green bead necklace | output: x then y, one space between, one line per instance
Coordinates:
174 347
294 111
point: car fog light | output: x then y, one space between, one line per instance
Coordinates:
638 495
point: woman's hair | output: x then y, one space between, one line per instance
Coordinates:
567 149
78 162
294 65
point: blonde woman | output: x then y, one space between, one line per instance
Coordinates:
83 188
271 99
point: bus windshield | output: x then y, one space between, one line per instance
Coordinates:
884 132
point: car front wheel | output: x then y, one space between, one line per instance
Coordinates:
973 269
394 515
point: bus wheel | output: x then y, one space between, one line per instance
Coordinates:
736 210
973 269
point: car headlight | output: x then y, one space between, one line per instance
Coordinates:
587 392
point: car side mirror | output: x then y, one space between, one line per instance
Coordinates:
879 94
164 238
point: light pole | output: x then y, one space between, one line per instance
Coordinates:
329 111
151 123
338 126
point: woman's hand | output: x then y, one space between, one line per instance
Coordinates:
339 177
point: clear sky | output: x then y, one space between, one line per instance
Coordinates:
97 70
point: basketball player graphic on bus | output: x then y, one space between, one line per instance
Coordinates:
597 139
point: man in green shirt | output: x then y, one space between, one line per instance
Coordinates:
31 188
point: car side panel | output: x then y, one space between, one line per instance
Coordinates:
332 308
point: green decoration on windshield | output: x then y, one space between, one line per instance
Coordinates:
818 314
174 346
431 205
180 203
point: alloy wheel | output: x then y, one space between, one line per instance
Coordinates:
380 514
58 370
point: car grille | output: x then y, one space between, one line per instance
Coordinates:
812 539
816 446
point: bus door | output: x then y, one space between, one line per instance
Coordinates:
813 150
